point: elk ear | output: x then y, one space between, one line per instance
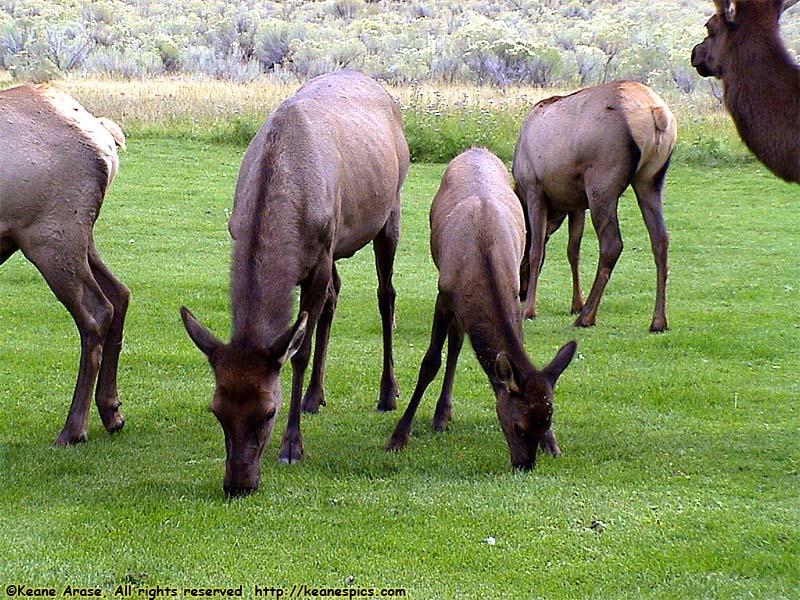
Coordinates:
505 373
296 335
201 336
787 4
560 362
729 8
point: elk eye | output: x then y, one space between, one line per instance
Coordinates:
270 413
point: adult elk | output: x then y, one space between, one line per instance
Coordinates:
56 163
319 181
761 82
582 151
477 243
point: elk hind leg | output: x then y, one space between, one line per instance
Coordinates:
7 247
537 215
576 225
106 395
648 195
65 268
603 209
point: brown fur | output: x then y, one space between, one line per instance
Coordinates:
477 242
581 151
57 161
761 82
319 181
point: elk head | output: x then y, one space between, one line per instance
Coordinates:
525 403
247 396
709 56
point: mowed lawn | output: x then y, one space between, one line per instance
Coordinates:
679 477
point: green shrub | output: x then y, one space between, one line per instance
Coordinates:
170 55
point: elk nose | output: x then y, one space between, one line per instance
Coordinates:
696 60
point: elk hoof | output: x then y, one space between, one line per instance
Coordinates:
388 398
397 441
113 421
239 492
291 451
312 401
68 439
440 422
116 425
549 445
658 326
582 321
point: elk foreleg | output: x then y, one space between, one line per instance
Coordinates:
431 362
315 393
576 223
455 340
313 291
385 246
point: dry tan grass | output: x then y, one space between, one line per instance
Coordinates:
157 101
166 100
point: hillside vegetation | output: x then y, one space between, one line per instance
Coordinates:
567 43
463 74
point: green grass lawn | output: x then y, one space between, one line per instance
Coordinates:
684 445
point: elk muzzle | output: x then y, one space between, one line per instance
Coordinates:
243 462
241 478
699 53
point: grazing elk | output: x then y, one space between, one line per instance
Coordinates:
56 163
477 243
761 82
582 151
320 180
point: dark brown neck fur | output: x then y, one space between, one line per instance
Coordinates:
762 90
262 280
498 329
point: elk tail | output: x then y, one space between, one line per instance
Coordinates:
661 121
115 131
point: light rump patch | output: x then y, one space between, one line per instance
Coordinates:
651 123
104 134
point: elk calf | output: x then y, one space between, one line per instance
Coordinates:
57 163
477 242
761 82
581 151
